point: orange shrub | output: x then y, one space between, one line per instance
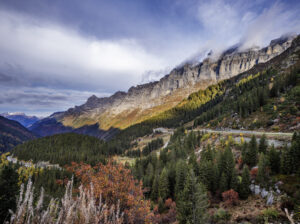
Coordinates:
230 197
115 183
253 173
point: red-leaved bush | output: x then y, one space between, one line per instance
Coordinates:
230 197
169 216
253 173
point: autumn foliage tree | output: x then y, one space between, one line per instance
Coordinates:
115 183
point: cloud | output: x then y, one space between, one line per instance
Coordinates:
230 22
151 75
41 101
271 23
5 78
62 54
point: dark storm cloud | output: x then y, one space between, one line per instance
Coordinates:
5 78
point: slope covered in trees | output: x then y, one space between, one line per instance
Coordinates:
220 166
63 149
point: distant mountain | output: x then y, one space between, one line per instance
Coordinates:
142 102
50 126
12 133
22 118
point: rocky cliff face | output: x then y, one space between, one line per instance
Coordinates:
143 101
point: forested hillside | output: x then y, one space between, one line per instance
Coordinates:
63 149
197 162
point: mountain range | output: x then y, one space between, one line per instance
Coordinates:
22 118
103 117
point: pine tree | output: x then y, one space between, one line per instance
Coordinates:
252 152
194 164
226 166
229 163
287 161
8 191
263 144
245 152
262 174
215 178
223 183
209 175
244 188
193 201
207 153
172 178
148 178
163 187
181 171
295 152
234 183
274 158
154 189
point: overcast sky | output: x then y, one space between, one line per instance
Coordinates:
55 54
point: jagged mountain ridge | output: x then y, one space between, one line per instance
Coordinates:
143 101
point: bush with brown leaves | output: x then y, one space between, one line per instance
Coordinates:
230 197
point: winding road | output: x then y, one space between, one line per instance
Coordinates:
248 132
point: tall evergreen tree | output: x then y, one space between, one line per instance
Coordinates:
226 166
193 202
223 183
8 191
252 152
209 175
181 171
295 152
172 178
287 161
244 152
262 174
163 187
244 188
263 144
274 158
148 178
234 182
154 189
194 164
